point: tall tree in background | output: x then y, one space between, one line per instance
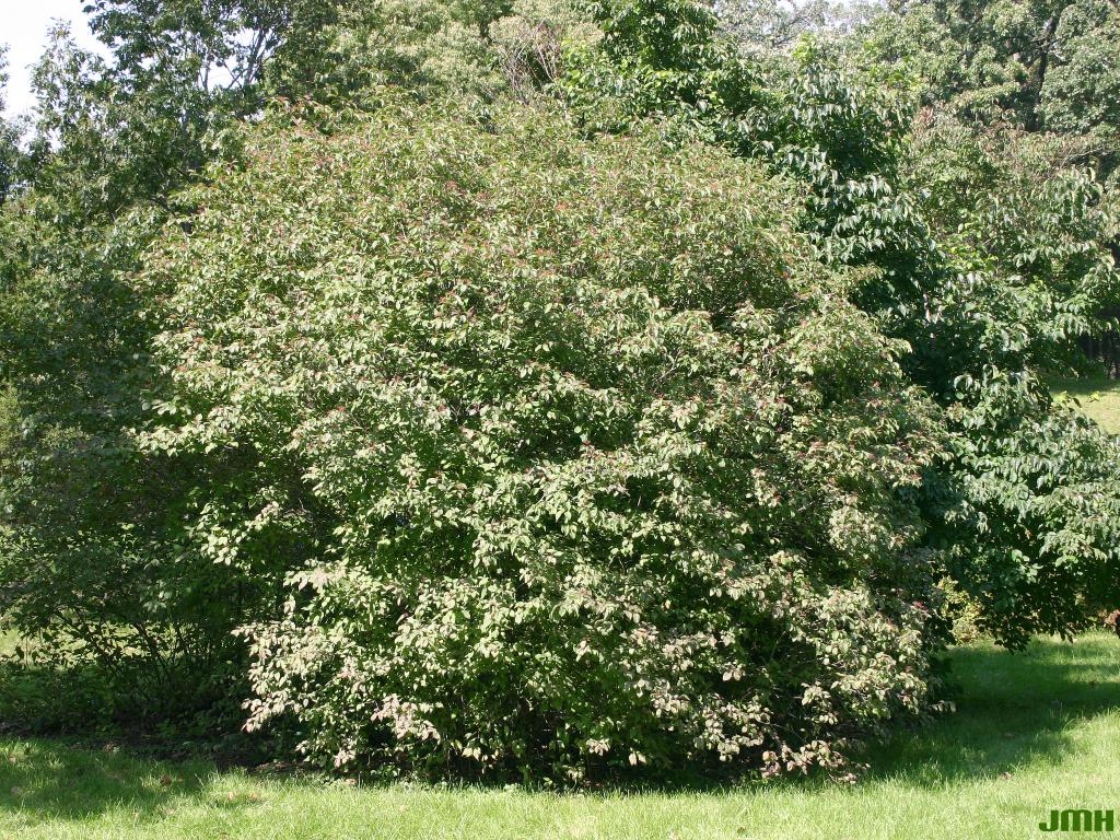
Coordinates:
9 134
986 310
1044 65
991 59
480 48
769 26
133 127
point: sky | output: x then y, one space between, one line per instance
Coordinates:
23 27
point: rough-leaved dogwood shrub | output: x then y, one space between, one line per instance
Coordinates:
597 466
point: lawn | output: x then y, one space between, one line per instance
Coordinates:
1032 732
1097 397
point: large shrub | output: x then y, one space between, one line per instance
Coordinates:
573 454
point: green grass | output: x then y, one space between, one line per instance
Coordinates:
1033 731
1098 397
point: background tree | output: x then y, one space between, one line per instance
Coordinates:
991 59
1038 66
480 48
9 135
769 26
1080 93
985 309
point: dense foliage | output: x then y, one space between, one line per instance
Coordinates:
9 150
554 388
573 435
91 556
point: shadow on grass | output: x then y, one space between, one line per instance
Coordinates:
53 779
1095 396
1014 709
63 756
1086 386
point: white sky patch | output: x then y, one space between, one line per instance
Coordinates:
23 27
